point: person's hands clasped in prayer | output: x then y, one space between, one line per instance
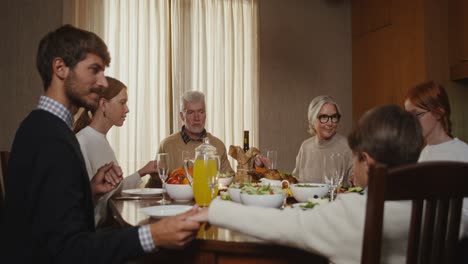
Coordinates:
107 178
177 231
200 216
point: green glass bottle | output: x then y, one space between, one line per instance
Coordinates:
246 140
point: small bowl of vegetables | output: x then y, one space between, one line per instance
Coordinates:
262 196
302 192
225 179
234 191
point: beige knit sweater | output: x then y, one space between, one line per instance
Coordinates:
309 160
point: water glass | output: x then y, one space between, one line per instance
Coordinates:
162 161
212 177
188 159
272 156
334 167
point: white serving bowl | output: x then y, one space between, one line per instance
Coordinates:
263 200
180 192
225 181
234 193
303 194
274 183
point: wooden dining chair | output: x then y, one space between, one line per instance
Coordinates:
4 157
439 188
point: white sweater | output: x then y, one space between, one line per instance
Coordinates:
97 152
334 230
452 150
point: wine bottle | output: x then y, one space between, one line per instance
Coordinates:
246 140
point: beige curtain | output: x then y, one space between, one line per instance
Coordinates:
213 49
136 33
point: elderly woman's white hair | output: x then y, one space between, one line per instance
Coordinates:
314 109
191 97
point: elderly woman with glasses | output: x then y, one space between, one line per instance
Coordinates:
324 115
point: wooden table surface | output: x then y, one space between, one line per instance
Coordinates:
213 244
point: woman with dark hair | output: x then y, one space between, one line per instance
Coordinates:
387 135
91 134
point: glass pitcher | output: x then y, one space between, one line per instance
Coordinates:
206 166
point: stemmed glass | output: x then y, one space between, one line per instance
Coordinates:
272 156
334 170
162 161
212 174
187 158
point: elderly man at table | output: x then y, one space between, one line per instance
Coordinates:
193 115
386 135
49 215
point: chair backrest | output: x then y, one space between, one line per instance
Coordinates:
439 187
4 157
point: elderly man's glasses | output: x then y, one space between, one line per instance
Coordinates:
324 118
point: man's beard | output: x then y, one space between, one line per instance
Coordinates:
71 91
195 130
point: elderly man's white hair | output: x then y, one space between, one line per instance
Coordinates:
191 97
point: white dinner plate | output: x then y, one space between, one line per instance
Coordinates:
143 191
165 210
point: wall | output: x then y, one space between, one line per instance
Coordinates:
22 23
398 44
388 51
438 69
304 51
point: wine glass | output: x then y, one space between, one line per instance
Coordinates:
187 158
272 156
162 161
212 174
334 170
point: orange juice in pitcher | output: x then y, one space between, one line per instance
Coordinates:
206 166
201 190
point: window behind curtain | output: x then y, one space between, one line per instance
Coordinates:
213 49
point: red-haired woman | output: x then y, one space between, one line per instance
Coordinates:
429 102
91 134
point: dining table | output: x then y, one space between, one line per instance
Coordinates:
212 245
